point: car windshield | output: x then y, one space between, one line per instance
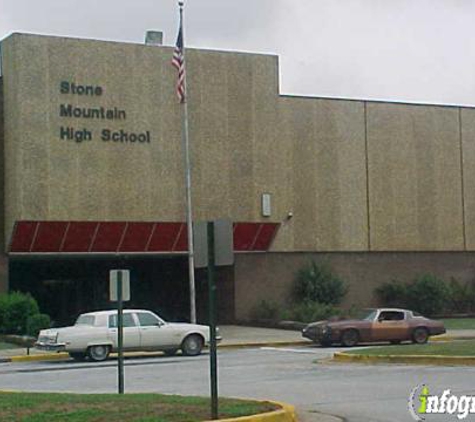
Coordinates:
367 314
85 320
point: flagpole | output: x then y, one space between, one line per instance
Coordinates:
186 153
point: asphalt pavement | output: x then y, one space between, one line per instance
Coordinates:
240 336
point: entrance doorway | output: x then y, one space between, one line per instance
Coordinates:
66 287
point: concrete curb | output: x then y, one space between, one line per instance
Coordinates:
285 414
412 359
63 355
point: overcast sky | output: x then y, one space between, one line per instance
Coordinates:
399 50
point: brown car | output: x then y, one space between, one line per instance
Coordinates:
375 325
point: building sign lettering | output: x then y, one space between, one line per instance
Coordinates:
80 134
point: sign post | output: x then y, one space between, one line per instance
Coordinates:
213 366
213 247
120 291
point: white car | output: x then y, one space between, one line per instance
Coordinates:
94 335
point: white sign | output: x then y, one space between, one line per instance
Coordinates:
223 243
200 243
266 205
114 282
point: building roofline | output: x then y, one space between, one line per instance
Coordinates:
131 43
379 101
270 55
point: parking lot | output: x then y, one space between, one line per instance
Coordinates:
301 375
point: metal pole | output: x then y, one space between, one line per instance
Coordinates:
213 358
120 332
189 212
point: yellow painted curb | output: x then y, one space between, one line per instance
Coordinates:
451 338
51 356
285 414
414 359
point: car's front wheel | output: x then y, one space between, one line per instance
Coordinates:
192 345
98 353
78 356
350 338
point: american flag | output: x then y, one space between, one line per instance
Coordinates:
178 61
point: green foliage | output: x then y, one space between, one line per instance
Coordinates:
428 295
309 311
37 322
266 310
48 407
15 309
393 294
317 283
462 296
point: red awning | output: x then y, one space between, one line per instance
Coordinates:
91 237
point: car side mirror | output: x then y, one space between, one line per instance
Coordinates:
380 319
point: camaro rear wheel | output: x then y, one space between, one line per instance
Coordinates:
420 335
350 338
192 345
98 353
78 356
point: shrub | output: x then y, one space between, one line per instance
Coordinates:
15 308
393 294
316 283
309 311
37 322
265 310
462 296
428 295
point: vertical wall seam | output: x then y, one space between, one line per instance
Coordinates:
367 174
464 226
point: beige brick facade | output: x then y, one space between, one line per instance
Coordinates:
357 176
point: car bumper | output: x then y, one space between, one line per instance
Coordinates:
45 347
317 335
218 340
437 331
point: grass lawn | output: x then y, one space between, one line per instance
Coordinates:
459 323
452 348
42 407
4 345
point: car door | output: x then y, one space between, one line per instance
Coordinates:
390 325
154 332
131 338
